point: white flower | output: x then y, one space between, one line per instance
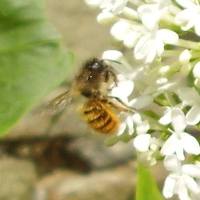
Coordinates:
181 180
185 56
123 89
142 141
132 122
128 33
150 14
105 17
148 43
190 16
196 70
148 146
113 6
127 125
180 141
152 44
93 3
112 55
189 96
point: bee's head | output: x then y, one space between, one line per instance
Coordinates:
92 70
93 77
95 65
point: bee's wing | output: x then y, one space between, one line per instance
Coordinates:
55 105
60 101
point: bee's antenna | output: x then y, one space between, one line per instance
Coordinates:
115 61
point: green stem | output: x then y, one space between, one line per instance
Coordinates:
188 44
154 122
170 99
130 14
195 54
171 53
168 22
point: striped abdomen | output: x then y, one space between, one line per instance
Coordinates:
100 117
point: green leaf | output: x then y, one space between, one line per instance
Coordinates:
32 60
146 185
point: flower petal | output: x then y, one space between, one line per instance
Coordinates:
184 17
185 56
193 115
115 6
105 17
173 146
112 55
191 184
196 70
129 122
152 53
123 89
171 163
142 127
93 3
166 118
169 146
197 27
121 129
120 29
182 190
191 170
189 96
167 36
159 47
137 119
190 144
180 151
142 142
143 46
178 120
169 187
186 3
131 38
149 14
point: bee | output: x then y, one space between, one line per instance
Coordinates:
93 82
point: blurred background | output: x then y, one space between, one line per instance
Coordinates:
47 157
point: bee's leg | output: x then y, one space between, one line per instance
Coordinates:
110 74
118 104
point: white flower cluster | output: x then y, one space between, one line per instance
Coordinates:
161 80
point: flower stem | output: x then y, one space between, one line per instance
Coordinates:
188 44
171 53
195 54
153 121
136 3
170 99
168 22
130 13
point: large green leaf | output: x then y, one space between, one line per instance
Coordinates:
146 185
32 61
